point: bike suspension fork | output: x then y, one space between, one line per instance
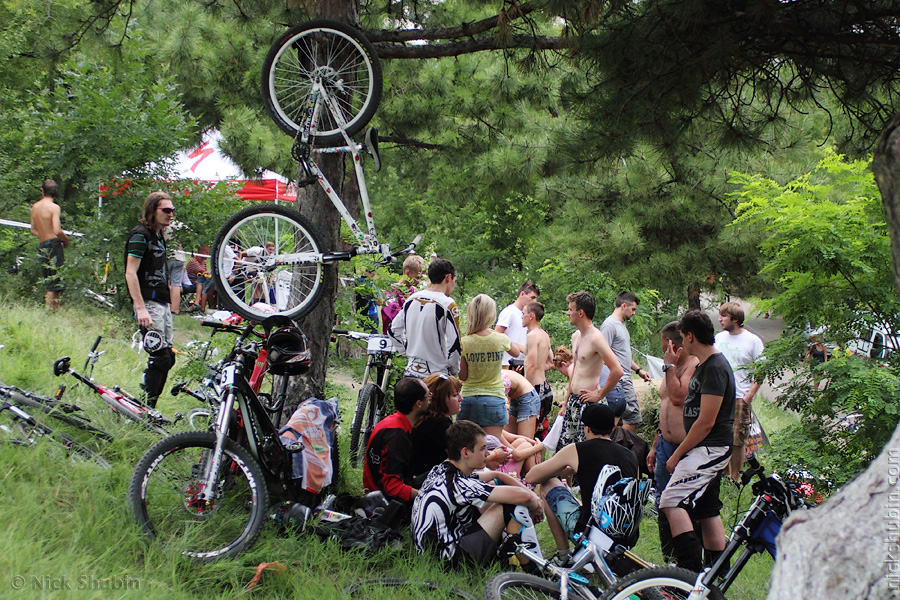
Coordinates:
223 421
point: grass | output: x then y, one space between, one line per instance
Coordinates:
69 534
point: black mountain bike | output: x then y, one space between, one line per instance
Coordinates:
755 533
20 428
207 493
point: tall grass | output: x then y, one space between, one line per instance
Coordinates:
68 533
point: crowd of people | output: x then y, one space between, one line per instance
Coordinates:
471 483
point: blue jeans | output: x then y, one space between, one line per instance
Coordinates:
565 507
661 475
487 411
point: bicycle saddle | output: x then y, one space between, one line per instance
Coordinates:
61 366
372 146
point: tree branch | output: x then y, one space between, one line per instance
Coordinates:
386 50
450 33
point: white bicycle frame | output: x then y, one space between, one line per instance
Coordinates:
367 240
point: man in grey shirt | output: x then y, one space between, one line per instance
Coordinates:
615 332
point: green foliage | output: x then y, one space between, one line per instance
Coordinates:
828 259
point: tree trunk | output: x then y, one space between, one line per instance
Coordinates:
850 546
694 297
314 204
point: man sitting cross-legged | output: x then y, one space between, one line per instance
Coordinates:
461 511
586 459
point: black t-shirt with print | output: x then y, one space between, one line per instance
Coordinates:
715 377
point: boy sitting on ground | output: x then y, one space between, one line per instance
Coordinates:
565 515
461 511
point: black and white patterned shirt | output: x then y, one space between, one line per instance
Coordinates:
446 507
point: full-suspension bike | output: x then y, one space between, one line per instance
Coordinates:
321 83
753 534
207 493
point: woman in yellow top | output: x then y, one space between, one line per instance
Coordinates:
484 396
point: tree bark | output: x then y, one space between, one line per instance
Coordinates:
850 546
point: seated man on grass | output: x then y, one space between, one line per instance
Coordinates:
388 465
565 515
461 511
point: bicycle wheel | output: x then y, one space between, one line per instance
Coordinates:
19 431
164 501
522 586
657 583
368 412
297 272
342 59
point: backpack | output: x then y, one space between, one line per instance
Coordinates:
617 504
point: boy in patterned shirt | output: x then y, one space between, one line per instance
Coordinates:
447 512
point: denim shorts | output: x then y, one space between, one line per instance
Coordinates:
565 507
487 411
525 406
616 400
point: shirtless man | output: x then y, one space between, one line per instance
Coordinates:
45 225
592 351
538 358
678 368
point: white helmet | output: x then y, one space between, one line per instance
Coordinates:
617 503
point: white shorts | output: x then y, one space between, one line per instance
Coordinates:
692 478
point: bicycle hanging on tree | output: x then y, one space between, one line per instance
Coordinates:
321 83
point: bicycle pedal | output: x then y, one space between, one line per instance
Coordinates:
307 181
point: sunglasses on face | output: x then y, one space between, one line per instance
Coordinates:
168 211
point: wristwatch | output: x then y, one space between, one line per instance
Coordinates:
668 366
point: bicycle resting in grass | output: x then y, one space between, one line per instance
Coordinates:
565 516
463 513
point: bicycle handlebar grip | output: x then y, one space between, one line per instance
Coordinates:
213 324
416 241
96 343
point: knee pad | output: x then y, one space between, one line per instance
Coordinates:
161 360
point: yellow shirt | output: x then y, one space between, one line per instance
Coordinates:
483 354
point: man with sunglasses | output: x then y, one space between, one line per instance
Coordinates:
147 278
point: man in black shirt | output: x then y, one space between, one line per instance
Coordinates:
586 459
147 278
697 463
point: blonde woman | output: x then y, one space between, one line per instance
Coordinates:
484 395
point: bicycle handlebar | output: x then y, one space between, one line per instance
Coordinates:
353 335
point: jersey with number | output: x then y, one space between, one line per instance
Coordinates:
428 328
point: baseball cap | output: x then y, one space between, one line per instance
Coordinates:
598 417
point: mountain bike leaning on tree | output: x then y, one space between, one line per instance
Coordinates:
322 84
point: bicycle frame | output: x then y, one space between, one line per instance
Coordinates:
588 552
773 501
241 414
